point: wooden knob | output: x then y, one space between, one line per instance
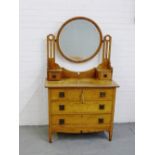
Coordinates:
61 107
61 121
61 94
102 94
101 106
100 121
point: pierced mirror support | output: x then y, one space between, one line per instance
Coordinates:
50 50
107 47
106 52
53 69
104 70
51 46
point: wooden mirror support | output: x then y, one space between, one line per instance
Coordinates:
103 71
54 71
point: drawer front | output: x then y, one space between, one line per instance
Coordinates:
80 129
97 106
90 120
104 74
60 107
66 119
53 75
96 119
98 94
65 94
82 95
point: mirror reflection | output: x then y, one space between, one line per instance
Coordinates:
79 40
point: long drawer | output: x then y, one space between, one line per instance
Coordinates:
86 94
70 107
91 120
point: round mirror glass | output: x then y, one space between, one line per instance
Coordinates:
79 39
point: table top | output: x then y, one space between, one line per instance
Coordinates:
74 82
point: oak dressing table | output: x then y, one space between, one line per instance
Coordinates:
80 102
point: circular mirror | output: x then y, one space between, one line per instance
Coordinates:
79 39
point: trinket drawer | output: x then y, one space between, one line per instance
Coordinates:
81 106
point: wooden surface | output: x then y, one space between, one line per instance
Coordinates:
75 82
76 129
72 107
84 120
85 106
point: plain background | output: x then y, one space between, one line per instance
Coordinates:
39 18
9 79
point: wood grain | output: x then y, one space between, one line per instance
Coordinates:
81 105
86 119
88 107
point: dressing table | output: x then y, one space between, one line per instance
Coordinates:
80 102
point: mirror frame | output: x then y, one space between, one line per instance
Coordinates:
95 52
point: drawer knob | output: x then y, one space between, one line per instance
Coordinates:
102 94
105 75
101 106
61 94
61 107
100 121
53 76
61 121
